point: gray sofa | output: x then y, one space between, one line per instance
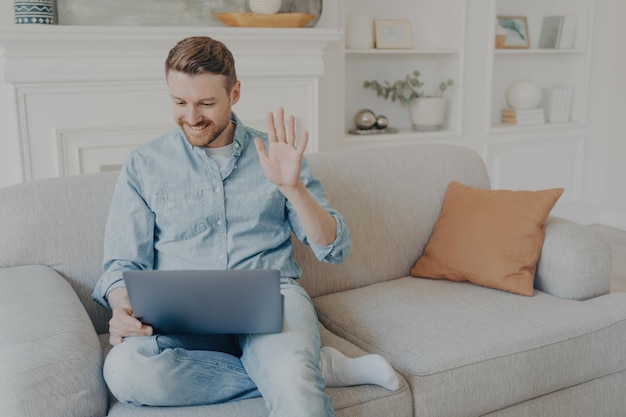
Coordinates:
461 350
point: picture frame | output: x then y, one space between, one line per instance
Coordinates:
392 34
516 30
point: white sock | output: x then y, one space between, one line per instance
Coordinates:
342 371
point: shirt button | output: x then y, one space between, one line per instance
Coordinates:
219 222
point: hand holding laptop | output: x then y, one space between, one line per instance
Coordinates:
123 323
241 301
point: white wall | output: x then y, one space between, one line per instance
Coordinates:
10 167
603 190
6 12
612 69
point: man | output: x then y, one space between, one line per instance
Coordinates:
202 197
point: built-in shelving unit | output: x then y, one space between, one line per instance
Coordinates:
437 53
543 155
546 67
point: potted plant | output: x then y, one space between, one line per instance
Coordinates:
427 112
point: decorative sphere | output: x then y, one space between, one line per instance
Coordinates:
364 119
382 122
523 94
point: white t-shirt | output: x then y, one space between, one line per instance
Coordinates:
222 156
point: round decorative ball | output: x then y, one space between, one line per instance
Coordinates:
364 119
265 6
382 122
523 94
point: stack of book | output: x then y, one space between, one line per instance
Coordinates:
558 32
523 116
557 102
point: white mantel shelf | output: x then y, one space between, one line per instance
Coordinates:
87 50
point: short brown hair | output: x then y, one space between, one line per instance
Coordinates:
202 54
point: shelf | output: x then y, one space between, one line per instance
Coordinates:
506 128
403 134
437 51
48 51
547 67
401 51
539 51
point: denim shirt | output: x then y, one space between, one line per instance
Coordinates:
172 209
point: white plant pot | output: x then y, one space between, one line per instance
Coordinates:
427 113
265 6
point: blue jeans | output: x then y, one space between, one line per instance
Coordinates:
284 367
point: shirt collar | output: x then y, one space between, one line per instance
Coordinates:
240 139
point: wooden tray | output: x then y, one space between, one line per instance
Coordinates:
258 20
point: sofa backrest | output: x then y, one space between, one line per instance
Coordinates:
59 222
390 197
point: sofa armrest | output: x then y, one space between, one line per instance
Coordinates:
50 355
575 261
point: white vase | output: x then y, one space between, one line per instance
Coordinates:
359 32
427 113
265 6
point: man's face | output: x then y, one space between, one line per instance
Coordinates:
202 106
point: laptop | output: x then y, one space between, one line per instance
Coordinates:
207 301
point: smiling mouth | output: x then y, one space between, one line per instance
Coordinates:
198 128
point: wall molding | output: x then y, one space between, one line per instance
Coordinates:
92 53
105 143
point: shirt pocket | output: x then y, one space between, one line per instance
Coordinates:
179 215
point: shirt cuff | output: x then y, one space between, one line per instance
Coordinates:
338 250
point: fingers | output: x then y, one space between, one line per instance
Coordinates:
278 131
276 128
271 129
123 324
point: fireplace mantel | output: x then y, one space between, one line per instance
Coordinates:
77 53
86 95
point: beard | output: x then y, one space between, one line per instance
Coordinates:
202 134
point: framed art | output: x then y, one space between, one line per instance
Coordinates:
516 31
392 34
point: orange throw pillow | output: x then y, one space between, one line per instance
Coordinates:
491 238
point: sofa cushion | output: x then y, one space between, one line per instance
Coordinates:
52 366
575 261
363 400
491 238
59 222
488 348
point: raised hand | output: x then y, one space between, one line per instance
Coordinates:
282 160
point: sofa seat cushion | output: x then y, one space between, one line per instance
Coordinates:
364 400
468 350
